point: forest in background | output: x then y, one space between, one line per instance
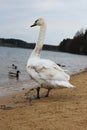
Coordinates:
22 44
76 45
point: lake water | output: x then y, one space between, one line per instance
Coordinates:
8 56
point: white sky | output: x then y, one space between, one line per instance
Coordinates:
64 18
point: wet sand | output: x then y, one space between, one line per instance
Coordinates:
64 109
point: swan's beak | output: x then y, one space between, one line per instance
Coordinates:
33 25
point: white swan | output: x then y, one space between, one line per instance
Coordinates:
44 71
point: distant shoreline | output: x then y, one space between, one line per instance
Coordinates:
16 43
67 45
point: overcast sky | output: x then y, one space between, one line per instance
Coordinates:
64 18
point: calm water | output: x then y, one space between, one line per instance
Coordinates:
8 56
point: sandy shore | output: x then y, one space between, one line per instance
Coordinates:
64 109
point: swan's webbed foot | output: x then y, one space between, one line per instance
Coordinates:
38 94
32 97
47 94
37 97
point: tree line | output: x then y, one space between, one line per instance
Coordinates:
77 45
22 44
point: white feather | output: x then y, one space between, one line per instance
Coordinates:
44 71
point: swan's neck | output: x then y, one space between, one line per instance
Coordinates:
39 45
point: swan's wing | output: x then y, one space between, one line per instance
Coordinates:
47 70
51 73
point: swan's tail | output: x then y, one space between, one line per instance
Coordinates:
64 84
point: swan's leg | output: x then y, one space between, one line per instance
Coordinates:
47 94
38 92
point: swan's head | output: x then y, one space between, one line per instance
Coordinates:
38 22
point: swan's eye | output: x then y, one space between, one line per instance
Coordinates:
36 21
